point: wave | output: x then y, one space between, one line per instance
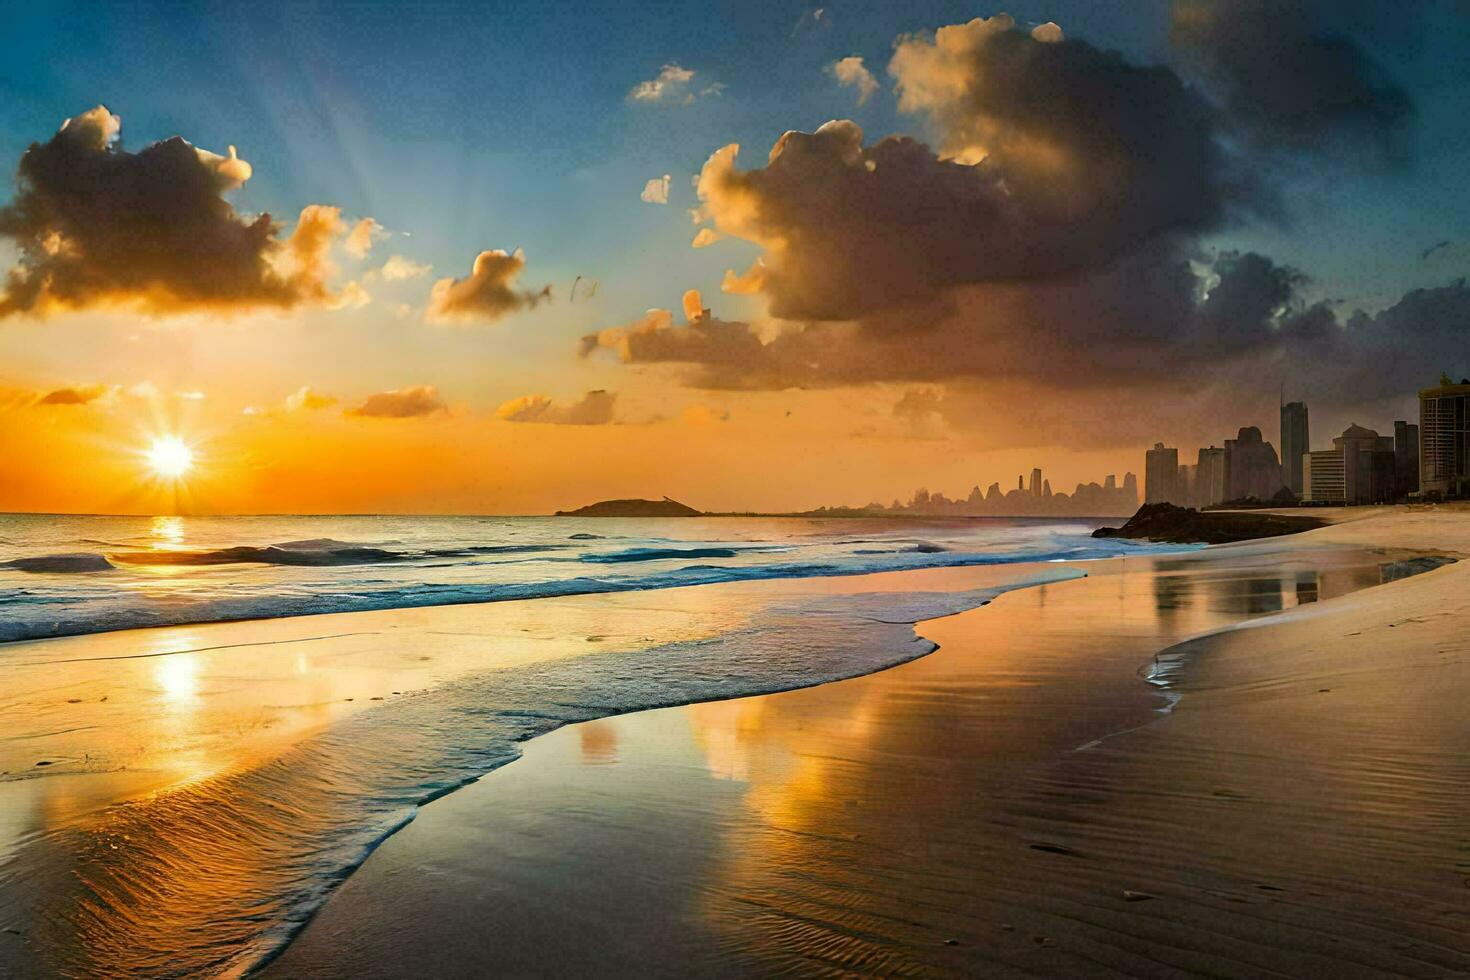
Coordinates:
83 561
661 554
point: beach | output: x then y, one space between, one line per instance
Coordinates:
1021 802
1197 762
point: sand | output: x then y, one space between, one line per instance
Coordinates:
1021 802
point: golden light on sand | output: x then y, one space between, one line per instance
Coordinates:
169 457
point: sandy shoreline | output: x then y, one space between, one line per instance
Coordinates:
1298 814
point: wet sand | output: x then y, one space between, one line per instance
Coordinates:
1014 804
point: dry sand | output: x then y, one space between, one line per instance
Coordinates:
1300 812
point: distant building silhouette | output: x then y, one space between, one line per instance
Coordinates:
1251 466
1444 458
1406 457
1161 475
1361 468
1208 486
1296 442
1039 500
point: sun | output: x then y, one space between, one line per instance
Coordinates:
170 457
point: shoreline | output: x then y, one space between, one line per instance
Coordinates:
350 917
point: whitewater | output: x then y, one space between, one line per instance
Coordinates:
69 575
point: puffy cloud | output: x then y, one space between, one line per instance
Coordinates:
97 225
398 268
1290 76
78 395
487 294
594 408
656 191
307 399
705 237
401 403
364 234
852 72
850 229
673 85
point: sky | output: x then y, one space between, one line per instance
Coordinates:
447 266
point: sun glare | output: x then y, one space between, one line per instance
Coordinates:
170 457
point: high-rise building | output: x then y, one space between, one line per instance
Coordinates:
1161 475
1296 442
1360 468
1209 478
1036 482
1251 466
1323 479
1406 458
1444 462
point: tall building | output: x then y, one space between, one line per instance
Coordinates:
1444 463
1208 488
1406 458
1161 475
1324 481
1296 442
1251 466
1360 468
1036 482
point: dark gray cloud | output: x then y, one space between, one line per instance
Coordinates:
1054 157
1290 75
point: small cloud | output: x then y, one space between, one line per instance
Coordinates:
1048 33
851 72
401 403
352 296
705 237
594 408
673 85
306 399
656 191
192 396
487 294
79 395
364 234
399 268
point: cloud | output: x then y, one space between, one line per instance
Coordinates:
849 229
398 268
78 395
364 234
705 237
594 408
656 191
1290 77
487 294
673 85
96 225
851 72
307 399
401 403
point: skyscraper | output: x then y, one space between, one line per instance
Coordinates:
1251 466
1161 475
1296 441
1406 458
1444 462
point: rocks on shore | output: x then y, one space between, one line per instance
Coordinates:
1185 525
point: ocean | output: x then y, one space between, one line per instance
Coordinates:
180 802
65 575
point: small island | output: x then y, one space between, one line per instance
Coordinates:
1185 525
666 507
